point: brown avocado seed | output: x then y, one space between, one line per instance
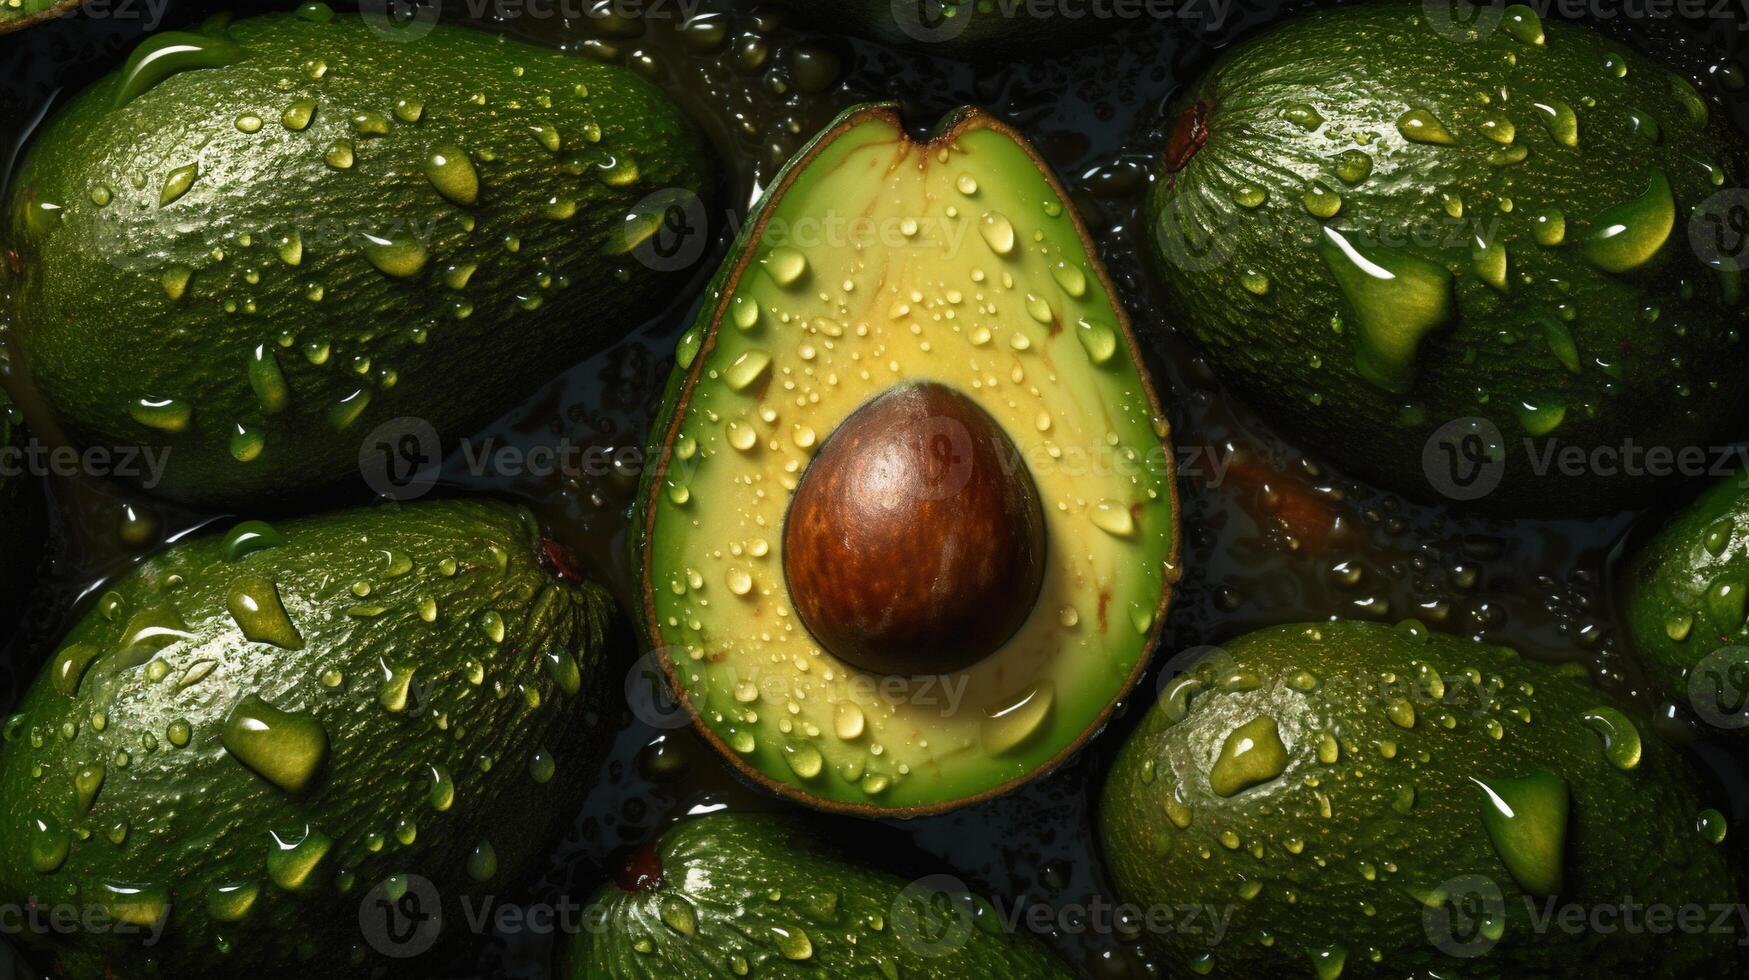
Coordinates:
915 541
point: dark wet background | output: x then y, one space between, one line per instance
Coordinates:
1280 539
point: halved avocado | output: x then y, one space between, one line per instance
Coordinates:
910 527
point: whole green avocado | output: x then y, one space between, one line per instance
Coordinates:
739 894
255 731
1687 616
1369 800
1474 262
259 240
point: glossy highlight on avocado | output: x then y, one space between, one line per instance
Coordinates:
255 728
258 240
1384 800
911 385
737 894
1686 605
1405 238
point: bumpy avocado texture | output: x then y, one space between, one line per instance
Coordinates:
260 239
1438 253
758 895
1685 604
255 729
911 527
1371 800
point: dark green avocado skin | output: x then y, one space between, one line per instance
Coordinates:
762 895
434 702
1366 844
1685 604
1548 348
256 263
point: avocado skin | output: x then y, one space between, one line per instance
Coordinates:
1671 575
727 866
988 34
98 328
196 816
1679 381
1361 668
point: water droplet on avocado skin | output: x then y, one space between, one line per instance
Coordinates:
1526 820
1621 740
167 53
284 748
1398 300
1626 236
1251 755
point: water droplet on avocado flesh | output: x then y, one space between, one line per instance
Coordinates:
798 377
1398 299
1526 820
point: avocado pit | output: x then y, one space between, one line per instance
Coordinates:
915 540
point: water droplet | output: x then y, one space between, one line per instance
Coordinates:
744 310
1549 226
249 537
451 171
747 369
1422 126
1560 120
292 865
400 256
163 414
1725 603
49 845
167 53
1252 754
793 943
997 232
1621 740
1526 819
1113 518
785 265
1010 726
70 665
1712 826
1321 201
1097 339
282 747
135 904
483 862
255 605
1521 23
1626 236
1398 299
